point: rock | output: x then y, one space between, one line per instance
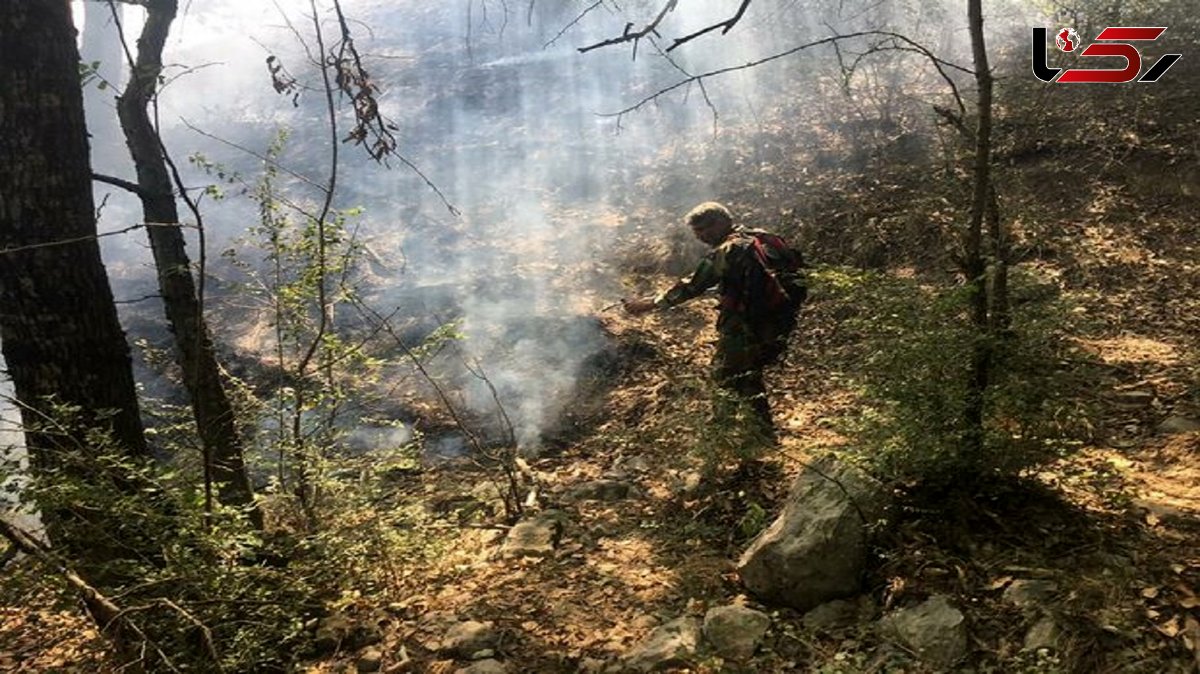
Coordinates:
591 666
934 630
831 615
1133 399
1043 635
332 631
735 631
370 661
636 464
1029 594
467 638
488 666
816 550
338 631
601 490
673 644
533 538
1175 424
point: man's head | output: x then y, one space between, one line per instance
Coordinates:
710 222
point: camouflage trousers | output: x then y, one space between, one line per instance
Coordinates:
744 350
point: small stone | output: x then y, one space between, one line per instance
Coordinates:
488 666
591 666
332 631
1133 400
1176 424
831 615
1043 635
601 490
690 483
934 630
370 661
469 637
673 644
645 622
735 631
1028 594
637 464
533 538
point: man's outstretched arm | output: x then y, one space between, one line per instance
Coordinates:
707 274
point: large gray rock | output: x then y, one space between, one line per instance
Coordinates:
816 550
735 631
671 645
934 630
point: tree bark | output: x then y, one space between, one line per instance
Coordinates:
975 267
211 407
61 338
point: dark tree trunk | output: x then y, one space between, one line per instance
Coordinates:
976 269
211 407
58 324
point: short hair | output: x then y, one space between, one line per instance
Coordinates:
708 213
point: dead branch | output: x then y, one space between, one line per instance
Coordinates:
630 35
725 26
119 182
106 614
512 501
940 63
574 21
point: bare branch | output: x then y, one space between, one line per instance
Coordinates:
119 182
573 21
90 237
940 63
630 35
725 26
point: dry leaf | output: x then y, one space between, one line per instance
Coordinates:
1189 602
1152 519
1150 592
1191 637
1170 629
1000 582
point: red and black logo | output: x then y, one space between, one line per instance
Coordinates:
1112 41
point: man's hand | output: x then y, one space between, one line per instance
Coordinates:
638 305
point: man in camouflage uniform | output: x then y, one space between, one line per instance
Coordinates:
761 287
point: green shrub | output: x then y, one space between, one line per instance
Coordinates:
914 344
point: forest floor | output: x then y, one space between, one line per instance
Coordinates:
1115 527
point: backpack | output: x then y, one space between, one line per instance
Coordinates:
774 284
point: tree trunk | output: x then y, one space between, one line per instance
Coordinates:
976 269
58 325
211 407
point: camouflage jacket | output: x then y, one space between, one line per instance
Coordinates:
757 275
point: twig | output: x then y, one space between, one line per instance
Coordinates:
573 22
939 62
726 26
630 35
119 182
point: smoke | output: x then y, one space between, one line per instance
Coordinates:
496 105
